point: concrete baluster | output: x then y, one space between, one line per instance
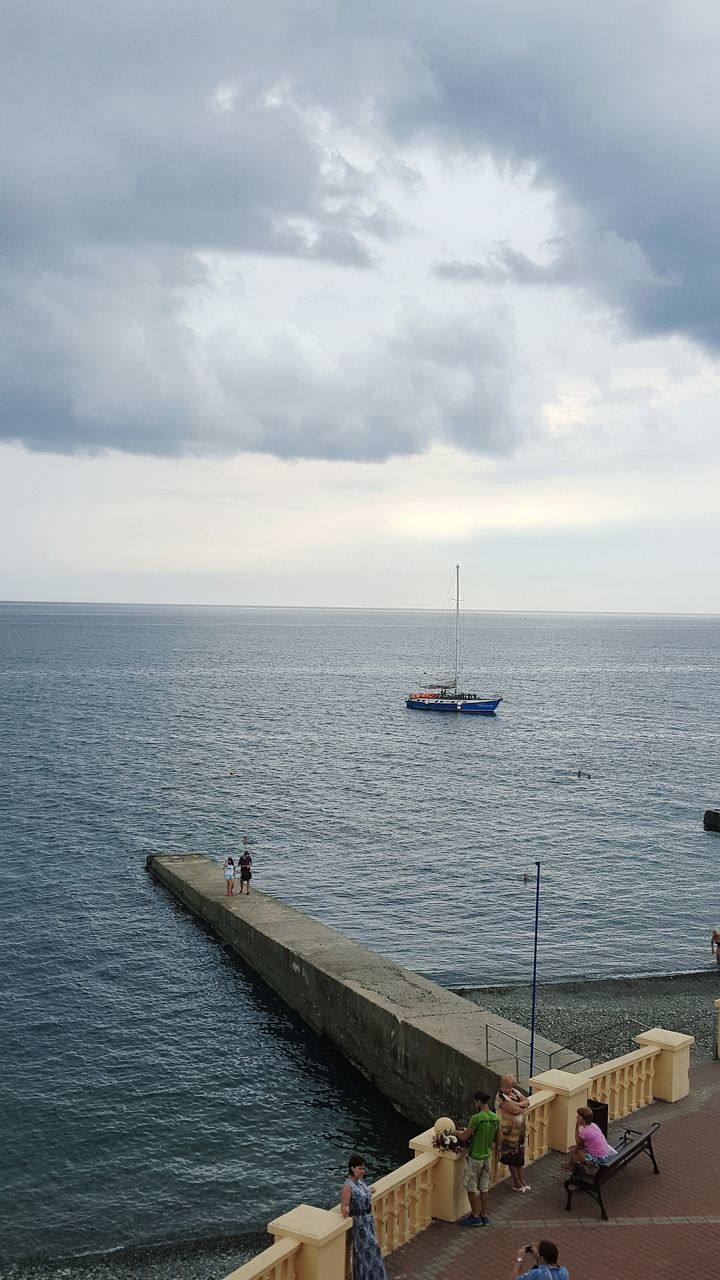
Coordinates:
671 1081
571 1091
448 1200
322 1235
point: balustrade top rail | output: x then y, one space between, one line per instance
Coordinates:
276 1263
615 1064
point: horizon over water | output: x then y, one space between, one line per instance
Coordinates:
157 1094
349 608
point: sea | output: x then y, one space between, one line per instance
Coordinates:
160 1103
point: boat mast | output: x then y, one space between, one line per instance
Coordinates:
457 623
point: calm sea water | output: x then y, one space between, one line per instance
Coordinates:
155 1093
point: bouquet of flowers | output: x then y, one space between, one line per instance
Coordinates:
446 1141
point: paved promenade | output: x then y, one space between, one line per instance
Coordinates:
661 1228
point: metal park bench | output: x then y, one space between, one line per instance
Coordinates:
592 1179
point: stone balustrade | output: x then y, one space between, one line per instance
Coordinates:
659 1069
537 1138
626 1083
312 1244
279 1262
402 1204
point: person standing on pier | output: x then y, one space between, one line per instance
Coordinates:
229 869
481 1133
245 864
355 1203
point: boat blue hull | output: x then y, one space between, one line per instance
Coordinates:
476 707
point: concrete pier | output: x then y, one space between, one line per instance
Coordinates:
425 1048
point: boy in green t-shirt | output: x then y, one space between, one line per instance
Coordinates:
481 1132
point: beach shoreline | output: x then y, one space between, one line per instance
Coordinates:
598 1017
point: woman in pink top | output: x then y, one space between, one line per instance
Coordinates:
591 1145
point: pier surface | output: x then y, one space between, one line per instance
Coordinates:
422 1046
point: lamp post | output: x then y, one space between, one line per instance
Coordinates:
534 977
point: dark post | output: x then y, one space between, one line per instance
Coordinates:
534 977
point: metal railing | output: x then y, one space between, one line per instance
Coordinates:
517 1051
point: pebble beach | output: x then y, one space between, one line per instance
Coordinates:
599 1018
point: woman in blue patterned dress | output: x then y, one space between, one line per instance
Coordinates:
355 1203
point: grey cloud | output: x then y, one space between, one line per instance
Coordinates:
156 125
434 374
611 109
461 271
238 179
505 264
89 375
139 136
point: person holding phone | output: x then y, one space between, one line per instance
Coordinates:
539 1263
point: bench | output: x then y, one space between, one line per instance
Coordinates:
592 1179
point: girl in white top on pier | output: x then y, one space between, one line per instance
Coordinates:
229 877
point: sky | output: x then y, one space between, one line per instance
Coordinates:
303 302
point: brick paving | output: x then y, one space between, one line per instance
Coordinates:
664 1227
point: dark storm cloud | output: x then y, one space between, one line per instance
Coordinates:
166 152
612 109
138 137
107 365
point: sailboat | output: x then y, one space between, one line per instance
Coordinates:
447 696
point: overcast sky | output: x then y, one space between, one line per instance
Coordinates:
303 301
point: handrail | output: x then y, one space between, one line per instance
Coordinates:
516 1045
